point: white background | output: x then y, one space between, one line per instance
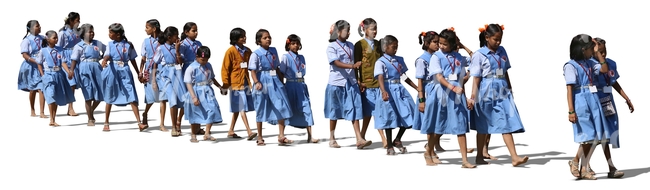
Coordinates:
537 36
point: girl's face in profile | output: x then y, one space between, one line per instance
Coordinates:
433 44
494 41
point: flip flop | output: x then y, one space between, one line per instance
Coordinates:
250 137
235 136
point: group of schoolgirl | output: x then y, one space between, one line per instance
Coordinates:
173 70
365 81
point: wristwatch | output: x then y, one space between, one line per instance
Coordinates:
422 100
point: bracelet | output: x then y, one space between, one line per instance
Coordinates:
452 88
422 100
257 82
572 112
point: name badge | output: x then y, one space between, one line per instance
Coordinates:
593 89
607 89
453 77
243 65
178 67
272 72
499 72
299 75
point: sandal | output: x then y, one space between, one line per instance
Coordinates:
588 176
574 168
201 131
106 128
284 141
615 174
467 165
250 137
398 145
142 127
390 152
209 138
235 136
334 144
426 146
592 172
312 140
91 122
174 133
362 144
260 142
193 139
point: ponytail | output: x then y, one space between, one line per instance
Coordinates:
162 38
481 39
361 29
488 30
365 23
420 37
183 36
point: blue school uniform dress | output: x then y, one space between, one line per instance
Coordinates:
68 38
148 51
446 111
293 66
29 78
422 72
55 82
495 111
271 102
170 83
87 57
241 99
604 84
590 121
188 52
342 95
119 88
208 111
399 110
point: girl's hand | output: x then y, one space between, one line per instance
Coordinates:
104 63
470 104
630 106
572 117
178 43
258 86
362 87
384 95
70 74
196 101
356 65
421 107
224 91
457 90
597 46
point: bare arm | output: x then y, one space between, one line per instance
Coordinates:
476 82
28 58
410 83
569 98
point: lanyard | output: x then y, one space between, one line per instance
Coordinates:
270 61
498 61
296 61
451 64
170 51
37 42
399 67
588 72
152 50
346 52
191 45
120 52
206 72
54 58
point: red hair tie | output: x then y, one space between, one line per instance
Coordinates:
424 34
361 24
451 28
288 41
331 28
502 27
483 28
202 54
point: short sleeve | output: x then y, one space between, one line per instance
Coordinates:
434 65
77 52
276 61
476 65
65 59
464 62
108 51
596 68
570 74
24 46
332 54
404 66
420 67
132 53
253 62
379 67
158 56
39 58
62 38
143 49
190 74
283 63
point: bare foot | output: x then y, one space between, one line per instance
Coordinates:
163 129
33 113
488 156
106 128
435 159
91 122
480 161
43 116
467 165
72 113
54 124
385 145
470 150
312 140
520 161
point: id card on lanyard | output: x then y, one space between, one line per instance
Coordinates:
296 62
592 87
402 76
499 70
55 58
453 76
272 72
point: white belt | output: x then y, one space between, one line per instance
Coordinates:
119 63
90 60
394 81
204 83
67 48
170 64
427 81
53 69
296 80
495 76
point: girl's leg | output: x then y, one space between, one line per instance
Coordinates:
108 115
462 143
364 126
398 140
574 164
145 116
71 111
89 110
389 139
179 120
429 155
163 108
480 154
613 172
282 140
260 139
194 131
361 142
510 143
53 108
207 136
173 112
310 138
32 102
136 112
383 138
333 143
588 150
437 139
41 101
485 148
232 123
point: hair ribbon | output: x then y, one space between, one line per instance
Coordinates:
423 34
288 41
332 28
202 54
450 28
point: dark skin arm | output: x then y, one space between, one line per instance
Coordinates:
569 98
620 91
